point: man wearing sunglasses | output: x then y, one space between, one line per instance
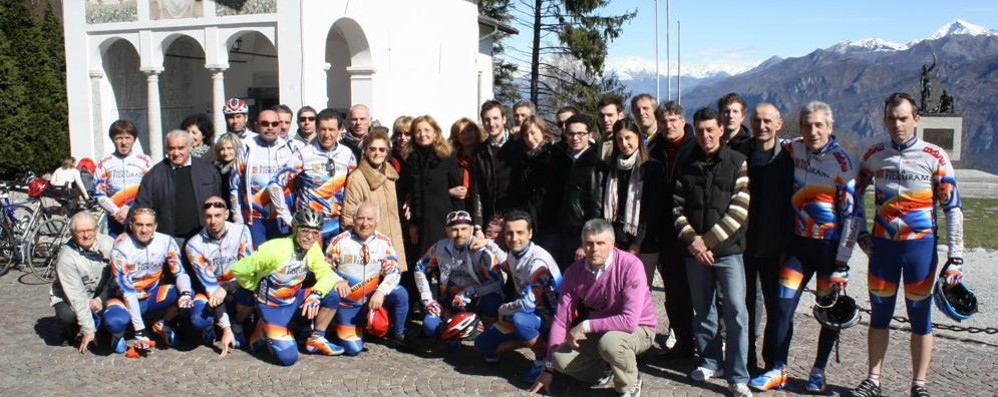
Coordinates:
256 166
211 254
306 127
316 175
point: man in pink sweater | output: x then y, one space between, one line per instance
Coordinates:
604 318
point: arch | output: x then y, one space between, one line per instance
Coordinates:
123 93
185 85
253 69
169 39
348 56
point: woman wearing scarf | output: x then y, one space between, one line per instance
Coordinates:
538 179
634 179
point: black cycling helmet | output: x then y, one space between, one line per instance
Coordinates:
836 311
957 302
307 217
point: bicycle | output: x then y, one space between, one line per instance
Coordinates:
47 240
20 219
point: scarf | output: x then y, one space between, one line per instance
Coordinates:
632 207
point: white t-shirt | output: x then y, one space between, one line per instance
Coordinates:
67 176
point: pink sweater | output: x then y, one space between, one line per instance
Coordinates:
619 301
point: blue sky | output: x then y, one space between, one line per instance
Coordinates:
743 33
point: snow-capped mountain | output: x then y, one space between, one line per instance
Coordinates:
871 44
960 26
635 67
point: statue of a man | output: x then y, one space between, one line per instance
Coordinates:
926 84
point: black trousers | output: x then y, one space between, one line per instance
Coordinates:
678 304
762 278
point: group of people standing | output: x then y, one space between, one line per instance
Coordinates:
549 232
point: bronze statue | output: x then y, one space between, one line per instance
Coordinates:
926 84
946 104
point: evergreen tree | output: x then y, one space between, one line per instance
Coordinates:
504 85
34 109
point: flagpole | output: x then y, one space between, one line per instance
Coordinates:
658 76
668 53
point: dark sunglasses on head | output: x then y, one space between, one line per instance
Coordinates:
306 118
215 204
270 124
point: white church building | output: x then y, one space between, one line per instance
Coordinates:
155 62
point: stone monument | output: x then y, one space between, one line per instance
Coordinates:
939 124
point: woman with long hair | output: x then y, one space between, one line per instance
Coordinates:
634 178
536 183
429 174
223 157
401 135
465 137
202 131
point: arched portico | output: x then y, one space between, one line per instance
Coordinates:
253 70
121 93
349 76
185 85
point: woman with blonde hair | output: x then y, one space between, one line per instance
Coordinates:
401 135
374 181
429 174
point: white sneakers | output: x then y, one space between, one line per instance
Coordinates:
701 374
740 390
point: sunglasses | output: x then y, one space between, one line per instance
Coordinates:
377 149
270 124
306 118
148 211
215 204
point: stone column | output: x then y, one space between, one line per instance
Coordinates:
218 99
153 117
96 114
361 85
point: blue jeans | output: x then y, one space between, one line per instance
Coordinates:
728 275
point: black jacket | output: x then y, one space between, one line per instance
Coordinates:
490 179
535 187
582 197
771 186
707 185
740 141
657 148
156 191
652 195
425 181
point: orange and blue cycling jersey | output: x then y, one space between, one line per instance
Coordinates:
909 180
459 268
368 265
318 177
824 195
137 269
117 179
256 165
212 258
277 271
536 278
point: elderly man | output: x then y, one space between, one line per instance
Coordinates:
910 177
257 164
177 186
236 117
80 289
318 174
366 259
604 318
710 220
117 177
211 254
360 124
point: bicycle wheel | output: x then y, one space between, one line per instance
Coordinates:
44 250
9 249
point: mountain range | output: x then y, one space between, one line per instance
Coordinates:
855 76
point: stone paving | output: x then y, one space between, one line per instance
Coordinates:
36 363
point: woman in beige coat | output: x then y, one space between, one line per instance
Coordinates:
374 180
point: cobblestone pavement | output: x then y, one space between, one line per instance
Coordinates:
36 363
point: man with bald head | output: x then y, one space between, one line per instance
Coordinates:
80 289
258 162
360 123
771 176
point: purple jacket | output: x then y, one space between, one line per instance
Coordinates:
619 301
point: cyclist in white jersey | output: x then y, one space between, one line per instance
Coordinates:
255 167
317 174
137 262
117 176
211 254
